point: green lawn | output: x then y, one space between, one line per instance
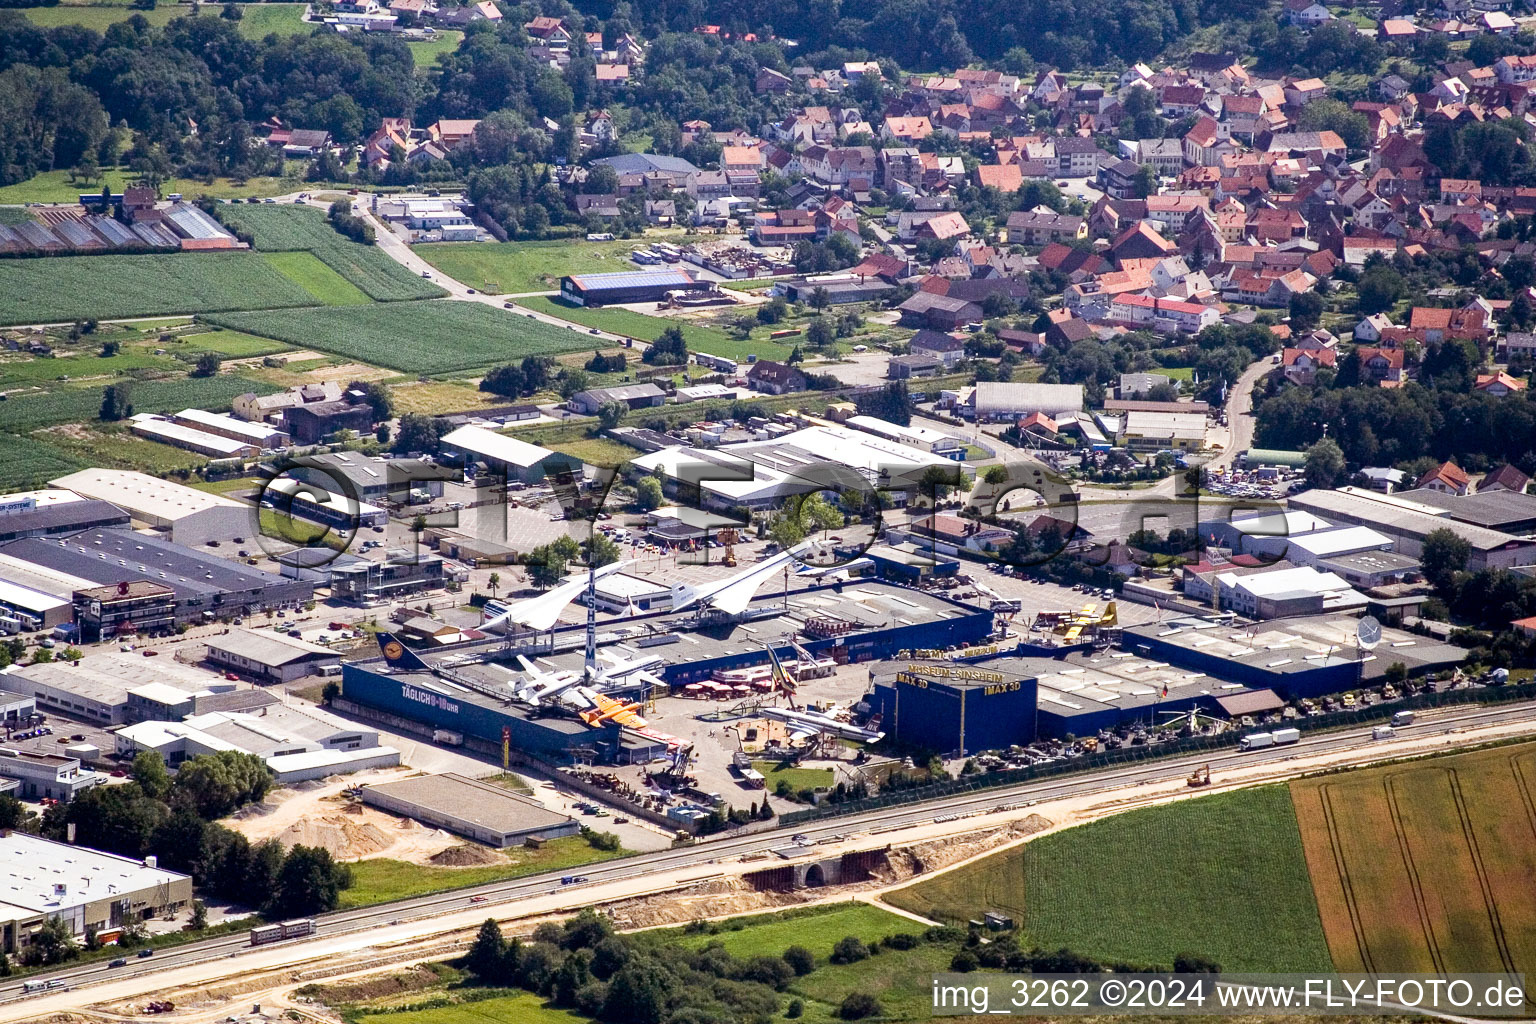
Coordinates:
431 337
380 880
597 451
57 187
502 267
230 344
817 929
306 270
425 51
1221 876
700 338
65 288
798 778
523 1008
258 21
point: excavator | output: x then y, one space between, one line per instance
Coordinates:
1200 777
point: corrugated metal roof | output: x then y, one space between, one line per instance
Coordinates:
633 279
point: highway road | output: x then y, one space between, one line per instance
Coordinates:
846 827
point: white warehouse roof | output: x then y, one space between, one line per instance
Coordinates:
500 447
143 496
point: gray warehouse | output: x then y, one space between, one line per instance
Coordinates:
478 810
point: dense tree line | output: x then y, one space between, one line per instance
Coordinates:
1394 426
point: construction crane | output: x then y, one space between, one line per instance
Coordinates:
728 538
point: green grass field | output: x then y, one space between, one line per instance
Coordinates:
700 338
26 462
57 186
292 229
798 778
1222 876
426 51
259 20
306 270
230 344
817 929
432 337
379 880
900 979
115 447
502 267
80 404
523 1008
65 288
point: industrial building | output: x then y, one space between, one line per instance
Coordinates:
630 286
204 587
1301 657
85 888
269 657
954 708
365 582
992 402
187 515
850 623
261 435
1276 593
47 776
167 431
123 609
1013 699
1154 431
110 688
298 743
476 810
40 514
315 504
761 474
518 459
24 610
1507 511
1408 522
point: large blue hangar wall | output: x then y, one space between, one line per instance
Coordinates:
406 698
927 707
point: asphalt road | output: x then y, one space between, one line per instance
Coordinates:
828 830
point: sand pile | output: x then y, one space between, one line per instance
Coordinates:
467 856
339 836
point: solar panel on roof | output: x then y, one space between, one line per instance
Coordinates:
632 279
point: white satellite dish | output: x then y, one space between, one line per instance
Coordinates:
1368 633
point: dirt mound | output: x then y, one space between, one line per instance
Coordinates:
466 857
713 898
337 835
913 860
366 989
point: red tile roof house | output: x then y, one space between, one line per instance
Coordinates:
1383 365
1447 478
1498 384
1434 325
1301 364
